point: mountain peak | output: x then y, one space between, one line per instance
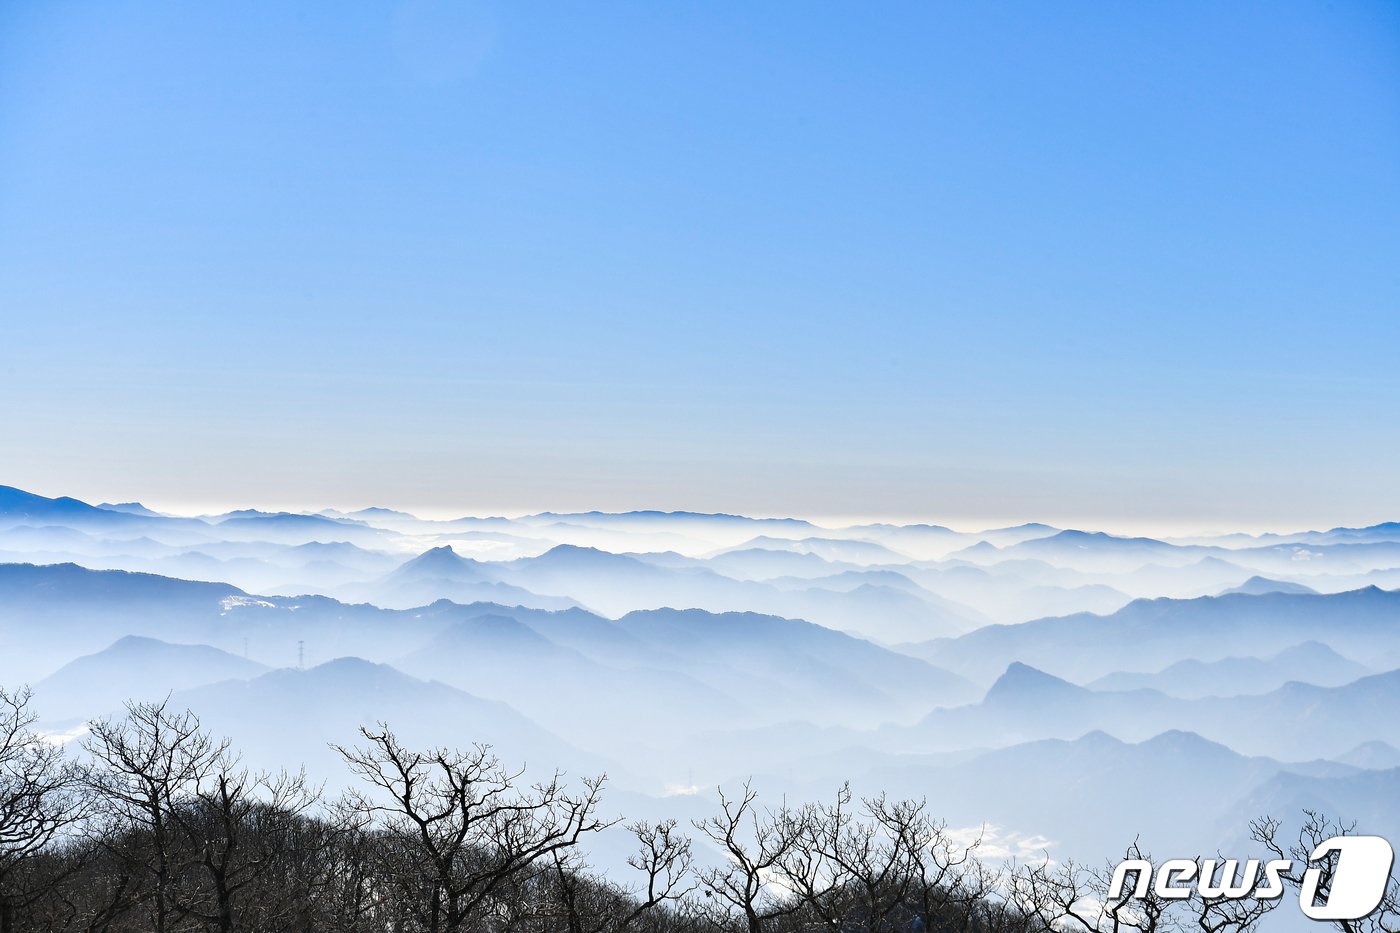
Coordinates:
1374 755
130 508
1258 586
1022 684
573 549
1180 743
1082 538
17 501
135 643
439 563
576 555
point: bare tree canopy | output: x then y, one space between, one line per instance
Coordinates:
158 826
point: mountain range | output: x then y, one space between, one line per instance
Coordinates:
1063 689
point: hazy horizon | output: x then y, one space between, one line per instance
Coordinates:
1184 528
1105 265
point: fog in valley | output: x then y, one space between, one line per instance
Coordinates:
1057 694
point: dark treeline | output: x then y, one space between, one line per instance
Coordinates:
157 826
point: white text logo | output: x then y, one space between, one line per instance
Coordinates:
1357 882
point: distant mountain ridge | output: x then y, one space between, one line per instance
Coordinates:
1257 586
18 506
135 668
1163 631
1295 721
804 665
1310 662
330 701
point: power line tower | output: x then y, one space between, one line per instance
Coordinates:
301 655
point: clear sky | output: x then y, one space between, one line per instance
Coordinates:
1123 264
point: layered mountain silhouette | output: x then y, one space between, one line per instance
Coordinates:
1256 586
1067 688
441 573
18 507
1295 721
329 702
1359 623
1311 662
757 666
135 668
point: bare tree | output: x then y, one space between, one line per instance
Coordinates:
1219 914
343 887
180 836
463 825
1075 897
594 905
817 865
244 826
948 884
1315 828
755 843
144 766
39 799
665 860
882 864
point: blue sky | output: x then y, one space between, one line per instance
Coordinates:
1100 263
